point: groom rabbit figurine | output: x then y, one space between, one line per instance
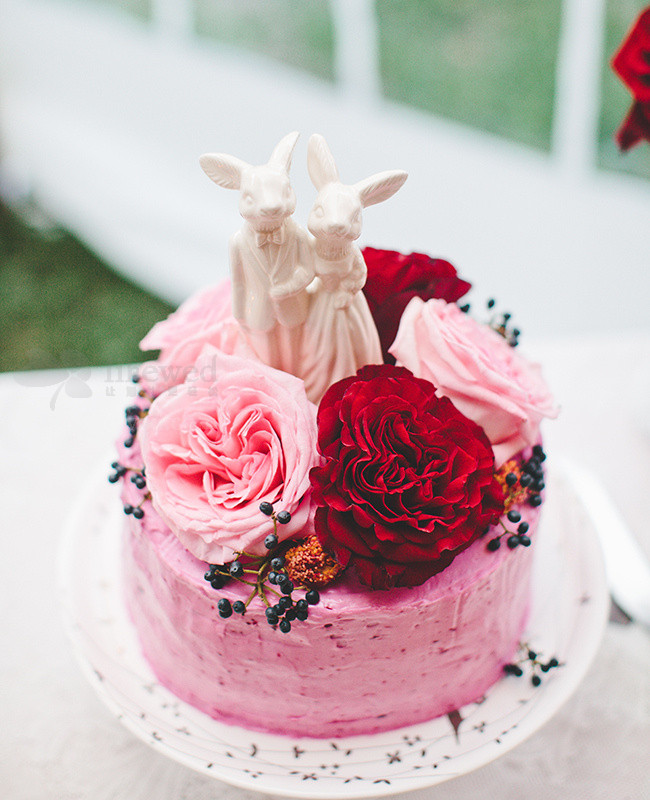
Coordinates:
270 256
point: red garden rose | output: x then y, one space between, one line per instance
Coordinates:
394 279
407 481
632 64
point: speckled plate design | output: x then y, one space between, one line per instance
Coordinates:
569 612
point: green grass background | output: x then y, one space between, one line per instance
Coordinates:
60 305
488 65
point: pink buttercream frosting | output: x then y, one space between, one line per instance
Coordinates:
472 365
235 434
363 662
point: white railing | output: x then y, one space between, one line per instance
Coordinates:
103 117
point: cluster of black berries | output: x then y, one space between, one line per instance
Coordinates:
536 664
533 475
532 480
269 567
501 324
139 481
514 539
133 415
118 472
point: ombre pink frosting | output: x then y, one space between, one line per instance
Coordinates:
474 366
365 661
235 434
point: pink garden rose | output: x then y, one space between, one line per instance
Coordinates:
236 433
205 318
472 365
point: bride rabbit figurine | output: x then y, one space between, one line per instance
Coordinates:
339 336
270 256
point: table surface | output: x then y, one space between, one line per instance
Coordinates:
58 741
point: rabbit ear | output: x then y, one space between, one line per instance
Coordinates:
223 169
320 162
380 187
283 151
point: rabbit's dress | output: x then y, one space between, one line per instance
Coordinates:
340 335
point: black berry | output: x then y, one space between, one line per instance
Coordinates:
285 626
266 508
494 544
513 541
236 569
536 680
312 597
271 541
225 609
277 563
138 513
283 517
514 516
217 581
238 607
271 617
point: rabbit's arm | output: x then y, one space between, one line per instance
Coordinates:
355 280
300 279
303 272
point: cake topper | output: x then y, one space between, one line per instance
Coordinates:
340 336
298 300
270 255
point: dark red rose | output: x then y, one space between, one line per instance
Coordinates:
407 481
394 279
632 64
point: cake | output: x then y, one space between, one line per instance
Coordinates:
331 491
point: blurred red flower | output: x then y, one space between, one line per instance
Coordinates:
632 64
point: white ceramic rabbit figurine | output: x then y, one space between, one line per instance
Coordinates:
270 256
340 335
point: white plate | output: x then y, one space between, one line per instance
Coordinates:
569 612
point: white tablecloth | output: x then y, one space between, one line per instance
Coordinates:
57 740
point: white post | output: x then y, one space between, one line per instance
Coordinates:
356 48
577 93
174 18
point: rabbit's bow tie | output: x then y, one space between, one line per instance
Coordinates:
264 237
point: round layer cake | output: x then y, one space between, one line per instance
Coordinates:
363 662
